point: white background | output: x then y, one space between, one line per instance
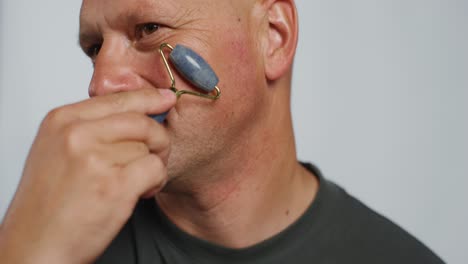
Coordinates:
379 101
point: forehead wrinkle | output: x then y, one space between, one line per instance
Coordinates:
153 11
115 14
94 18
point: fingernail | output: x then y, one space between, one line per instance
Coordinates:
167 93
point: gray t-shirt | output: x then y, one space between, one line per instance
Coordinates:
336 228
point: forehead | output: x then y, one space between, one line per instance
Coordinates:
97 16
100 16
93 9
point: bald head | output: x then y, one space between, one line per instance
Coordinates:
249 43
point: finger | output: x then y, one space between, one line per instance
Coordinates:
146 174
128 127
123 153
145 101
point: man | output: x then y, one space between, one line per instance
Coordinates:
218 182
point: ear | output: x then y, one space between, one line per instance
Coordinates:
281 37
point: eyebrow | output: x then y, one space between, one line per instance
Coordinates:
129 16
86 37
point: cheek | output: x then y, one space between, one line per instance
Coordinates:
238 59
240 73
152 69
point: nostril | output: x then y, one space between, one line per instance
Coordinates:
91 92
92 88
113 80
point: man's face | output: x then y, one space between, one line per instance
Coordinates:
123 37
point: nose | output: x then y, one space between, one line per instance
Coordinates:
113 70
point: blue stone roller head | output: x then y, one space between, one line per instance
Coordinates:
193 68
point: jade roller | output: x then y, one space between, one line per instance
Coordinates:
193 68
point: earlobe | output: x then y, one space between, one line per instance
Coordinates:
281 38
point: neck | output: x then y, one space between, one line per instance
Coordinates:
248 203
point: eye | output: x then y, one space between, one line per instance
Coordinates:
93 51
146 29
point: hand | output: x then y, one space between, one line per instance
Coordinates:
89 165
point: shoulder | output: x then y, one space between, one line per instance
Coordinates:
371 236
352 232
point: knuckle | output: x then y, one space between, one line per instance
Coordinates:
117 101
142 123
104 188
92 161
165 155
137 121
157 166
165 141
73 137
141 148
160 172
56 117
157 162
104 173
146 124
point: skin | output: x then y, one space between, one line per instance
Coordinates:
225 171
